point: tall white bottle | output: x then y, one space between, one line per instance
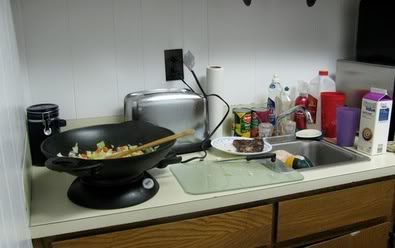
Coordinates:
321 83
273 100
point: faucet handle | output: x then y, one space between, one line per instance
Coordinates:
309 118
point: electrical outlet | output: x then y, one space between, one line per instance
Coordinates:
174 65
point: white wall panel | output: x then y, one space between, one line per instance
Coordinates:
13 85
162 29
195 38
231 46
48 51
129 52
104 49
298 41
93 57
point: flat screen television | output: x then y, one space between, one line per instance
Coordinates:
376 32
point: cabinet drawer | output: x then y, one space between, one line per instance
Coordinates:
322 212
376 236
244 228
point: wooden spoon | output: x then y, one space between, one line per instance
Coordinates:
152 144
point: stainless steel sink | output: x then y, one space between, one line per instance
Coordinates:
321 153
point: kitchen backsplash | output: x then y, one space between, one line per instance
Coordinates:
86 55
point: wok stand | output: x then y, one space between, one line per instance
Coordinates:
112 194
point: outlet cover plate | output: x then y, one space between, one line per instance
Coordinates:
174 64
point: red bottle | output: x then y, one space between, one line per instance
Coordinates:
300 118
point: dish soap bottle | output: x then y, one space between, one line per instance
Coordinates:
321 83
273 99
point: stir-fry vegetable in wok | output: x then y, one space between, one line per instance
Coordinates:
103 151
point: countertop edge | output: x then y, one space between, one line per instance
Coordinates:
52 229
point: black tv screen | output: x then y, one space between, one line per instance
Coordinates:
376 32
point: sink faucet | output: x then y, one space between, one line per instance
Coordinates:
290 111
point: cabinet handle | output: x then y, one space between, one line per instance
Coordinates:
355 233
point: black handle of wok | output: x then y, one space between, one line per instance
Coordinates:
272 156
171 158
62 123
74 166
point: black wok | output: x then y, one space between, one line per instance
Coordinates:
132 132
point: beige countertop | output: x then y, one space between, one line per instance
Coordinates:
52 213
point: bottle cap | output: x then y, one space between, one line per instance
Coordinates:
323 73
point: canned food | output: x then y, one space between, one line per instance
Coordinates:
258 115
242 122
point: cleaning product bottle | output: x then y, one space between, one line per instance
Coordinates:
298 162
293 161
320 83
284 105
274 98
286 102
300 118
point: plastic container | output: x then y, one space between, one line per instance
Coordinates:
286 102
319 84
273 99
330 101
347 123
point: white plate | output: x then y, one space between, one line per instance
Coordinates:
308 133
225 144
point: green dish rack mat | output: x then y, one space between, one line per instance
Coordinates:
211 176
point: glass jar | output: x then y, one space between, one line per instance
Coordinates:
265 129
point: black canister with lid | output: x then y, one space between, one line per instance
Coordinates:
42 122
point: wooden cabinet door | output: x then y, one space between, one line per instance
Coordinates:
327 211
244 228
376 236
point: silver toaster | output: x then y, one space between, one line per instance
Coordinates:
175 109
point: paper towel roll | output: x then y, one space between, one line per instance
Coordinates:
216 108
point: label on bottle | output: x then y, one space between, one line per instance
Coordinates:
312 107
271 105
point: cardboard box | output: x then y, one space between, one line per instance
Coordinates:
375 122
